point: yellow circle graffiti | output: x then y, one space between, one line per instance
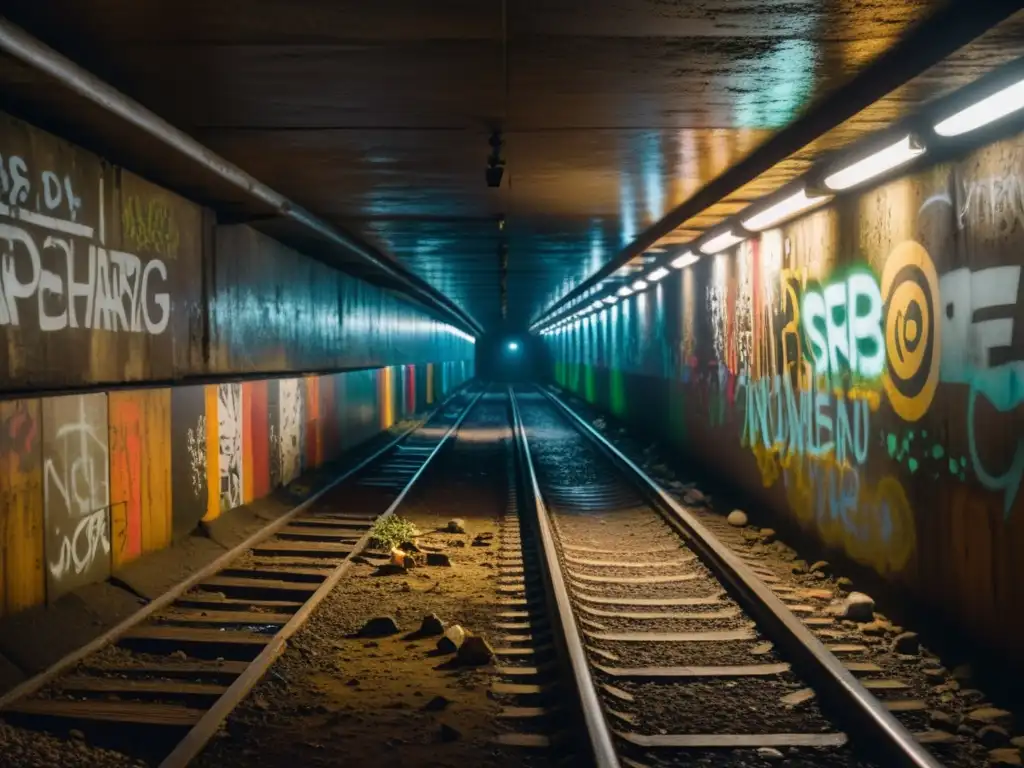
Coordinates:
911 336
910 288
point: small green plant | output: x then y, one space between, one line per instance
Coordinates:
388 533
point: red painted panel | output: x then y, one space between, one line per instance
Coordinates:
259 413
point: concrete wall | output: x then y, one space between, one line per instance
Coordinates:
108 279
861 373
90 482
121 291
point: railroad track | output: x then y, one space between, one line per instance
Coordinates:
160 685
676 651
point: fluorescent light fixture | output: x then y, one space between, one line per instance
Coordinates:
721 242
657 274
625 291
610 299
685 260
885 159
990 109
783 210
639 285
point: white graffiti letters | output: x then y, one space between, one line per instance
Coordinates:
76 491
116 293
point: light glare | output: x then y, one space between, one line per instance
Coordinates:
990 109
625 291
685 260
783 210
639 285
657 274
721 242
892 156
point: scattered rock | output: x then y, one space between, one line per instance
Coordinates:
438 558
934 673
693 497
737 518
845 583
943 720
456 543
475 651
260 703
970 695
821 566
449 734
936 737
990 716
768 535
798 566
402 559
379 626
431 625
1004 756
857 607
353 682
751 536
436 704
993 736
179 655
409 546
456 525
453 639
906 643
74 733
875 628
768 753
965 730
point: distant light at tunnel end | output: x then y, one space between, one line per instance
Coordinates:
513 346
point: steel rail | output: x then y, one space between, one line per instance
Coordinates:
853 702
21 45
598 732
198 736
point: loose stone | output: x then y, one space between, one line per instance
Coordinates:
379 626
737 518
453 639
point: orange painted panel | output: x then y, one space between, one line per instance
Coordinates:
140 472
247 445
22 581
212 454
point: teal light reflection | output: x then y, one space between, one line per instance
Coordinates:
776 85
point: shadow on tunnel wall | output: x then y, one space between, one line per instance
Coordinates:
858 372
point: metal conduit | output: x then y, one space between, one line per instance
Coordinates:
21 45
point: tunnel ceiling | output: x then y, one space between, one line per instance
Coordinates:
376 115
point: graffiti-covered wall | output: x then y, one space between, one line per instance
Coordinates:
861 371
90 482
106 278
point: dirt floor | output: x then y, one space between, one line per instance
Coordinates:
336 698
